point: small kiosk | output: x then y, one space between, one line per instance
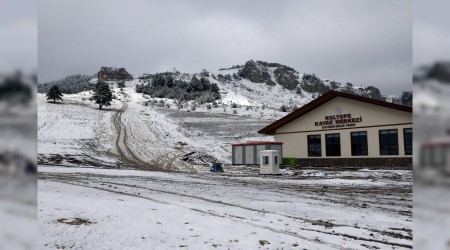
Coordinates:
269 162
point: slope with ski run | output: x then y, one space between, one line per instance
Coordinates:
76 132
358 210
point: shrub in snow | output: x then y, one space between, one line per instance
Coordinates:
164 85
71 84
235 111
234 105
407 98
208 106
283 108
215 104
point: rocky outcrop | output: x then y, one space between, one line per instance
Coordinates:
255 72
259 72
440 71
313 84
114 74
286 77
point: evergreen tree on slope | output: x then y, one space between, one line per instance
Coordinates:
54 94
102 94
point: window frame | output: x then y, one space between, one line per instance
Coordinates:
351 143
390 145
328 148
404 141
315 146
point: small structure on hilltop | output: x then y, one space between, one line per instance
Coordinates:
113 74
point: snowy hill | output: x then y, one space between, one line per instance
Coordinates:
273 74
191 119
256 83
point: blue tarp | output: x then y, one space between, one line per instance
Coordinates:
217 168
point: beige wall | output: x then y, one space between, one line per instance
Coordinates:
374 118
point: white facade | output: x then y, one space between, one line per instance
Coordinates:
269 162
344 129
374 118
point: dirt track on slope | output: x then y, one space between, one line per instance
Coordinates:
124 151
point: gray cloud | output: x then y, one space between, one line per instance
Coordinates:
364 42
431 31
18 36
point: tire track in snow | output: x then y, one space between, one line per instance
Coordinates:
294 234
125 153
76 181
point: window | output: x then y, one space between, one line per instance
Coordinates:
359 143
333 144
407 136
275 159
265 160
388 142
314 145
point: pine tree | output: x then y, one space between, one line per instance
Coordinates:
102 94
54 94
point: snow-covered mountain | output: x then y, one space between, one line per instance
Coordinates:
273 74
256 83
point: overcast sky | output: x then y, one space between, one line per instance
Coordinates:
431 31
361 41
18 36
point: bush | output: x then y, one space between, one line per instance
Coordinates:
234 111
164 85
289 161
284 108
234 105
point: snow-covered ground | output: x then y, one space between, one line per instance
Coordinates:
75 132
431 209
93 193
18 204
131 209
